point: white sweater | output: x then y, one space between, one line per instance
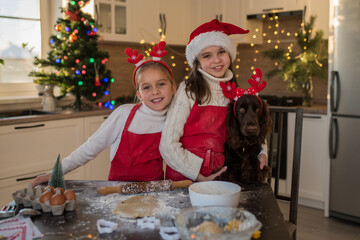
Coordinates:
178 158
110 133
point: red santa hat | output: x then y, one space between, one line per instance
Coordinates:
213 33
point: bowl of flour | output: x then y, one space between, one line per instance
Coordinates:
214 193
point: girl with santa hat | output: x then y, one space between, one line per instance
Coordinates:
132 130
193 138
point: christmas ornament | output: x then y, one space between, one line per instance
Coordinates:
73 38
97 78
73 16
57 28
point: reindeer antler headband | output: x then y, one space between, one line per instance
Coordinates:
232 93
137 59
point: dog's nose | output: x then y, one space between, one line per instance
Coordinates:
252 129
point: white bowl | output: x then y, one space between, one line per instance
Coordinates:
187 221
214 193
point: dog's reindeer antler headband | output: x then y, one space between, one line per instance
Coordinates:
137 59
232 93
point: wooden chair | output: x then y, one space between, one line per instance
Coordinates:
277 142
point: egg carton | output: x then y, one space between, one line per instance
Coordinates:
30 197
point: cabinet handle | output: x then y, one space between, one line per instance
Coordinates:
272 9
27 178
32 126
164 23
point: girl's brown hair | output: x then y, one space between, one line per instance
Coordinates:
197 88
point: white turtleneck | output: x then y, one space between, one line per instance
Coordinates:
178 158
145 121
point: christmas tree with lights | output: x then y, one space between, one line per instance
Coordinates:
75 63
298 67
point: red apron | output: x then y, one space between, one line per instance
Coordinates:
205 136
138 157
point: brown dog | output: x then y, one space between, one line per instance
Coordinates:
248 125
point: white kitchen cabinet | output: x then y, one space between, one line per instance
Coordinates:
30 149
314 154
113 17
98 168
264 6
229 11
154 18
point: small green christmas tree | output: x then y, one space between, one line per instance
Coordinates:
57 175
297 68
75 63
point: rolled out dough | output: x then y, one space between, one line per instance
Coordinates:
137 207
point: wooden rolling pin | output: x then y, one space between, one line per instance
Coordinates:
143 187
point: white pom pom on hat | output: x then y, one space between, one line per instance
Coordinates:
213 33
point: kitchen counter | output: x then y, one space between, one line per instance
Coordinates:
315 109
52 116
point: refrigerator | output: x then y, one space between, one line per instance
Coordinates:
344 102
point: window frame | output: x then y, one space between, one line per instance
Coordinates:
49 13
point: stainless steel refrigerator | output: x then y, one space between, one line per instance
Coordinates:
344 142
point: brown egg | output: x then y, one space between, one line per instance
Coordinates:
49 187
69 195
61 189
57 199
45 196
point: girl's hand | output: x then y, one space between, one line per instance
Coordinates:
262 160
201 177
41 179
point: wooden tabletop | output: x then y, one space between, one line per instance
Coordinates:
90 206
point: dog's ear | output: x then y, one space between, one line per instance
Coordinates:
232 127
232 124
265 123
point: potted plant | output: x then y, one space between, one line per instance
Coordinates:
298 66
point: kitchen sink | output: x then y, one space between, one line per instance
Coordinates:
24 113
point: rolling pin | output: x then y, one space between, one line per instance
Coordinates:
144 187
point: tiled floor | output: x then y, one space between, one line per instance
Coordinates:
312 225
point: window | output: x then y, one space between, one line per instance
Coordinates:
28 22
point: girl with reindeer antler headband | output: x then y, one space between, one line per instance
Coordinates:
132 130
194 135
